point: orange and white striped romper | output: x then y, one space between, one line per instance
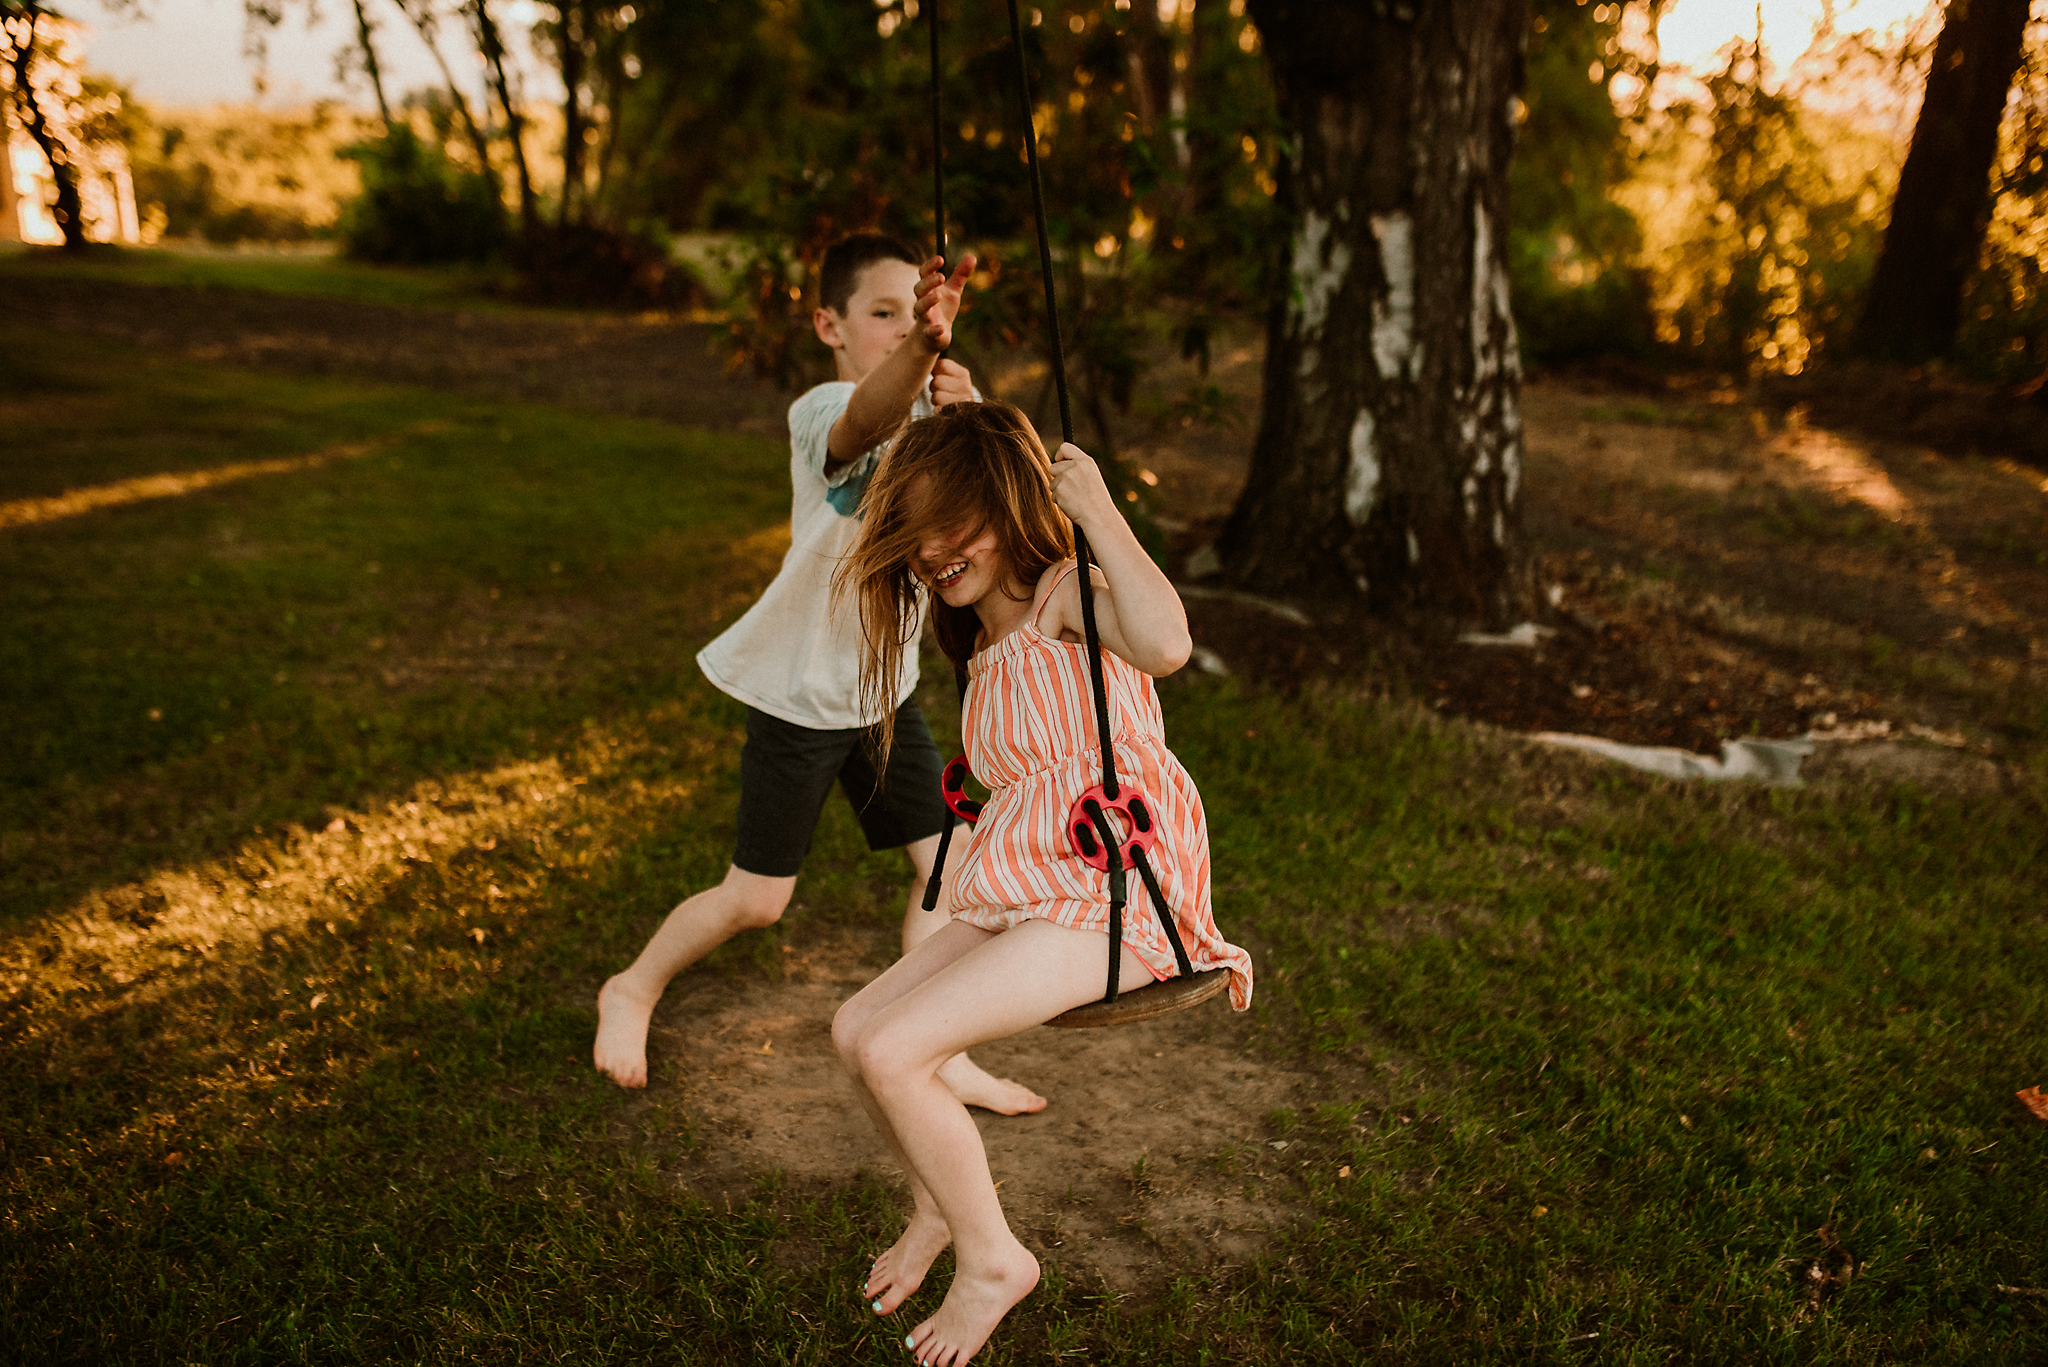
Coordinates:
1030 729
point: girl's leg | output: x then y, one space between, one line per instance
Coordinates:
901 1268
1005 984
966 1079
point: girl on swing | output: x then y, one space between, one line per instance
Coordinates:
969 511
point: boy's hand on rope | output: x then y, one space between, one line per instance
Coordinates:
938 300
1078 488
951 384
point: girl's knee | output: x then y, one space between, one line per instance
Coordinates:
881 1060
849 1023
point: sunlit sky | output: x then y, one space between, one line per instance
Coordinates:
186 52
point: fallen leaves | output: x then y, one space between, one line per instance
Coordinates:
2034 1101
1818 1280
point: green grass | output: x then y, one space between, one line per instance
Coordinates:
1605 1052
277 272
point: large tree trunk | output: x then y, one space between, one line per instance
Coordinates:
1944 196
1389 456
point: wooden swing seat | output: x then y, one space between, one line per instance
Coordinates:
1144 1003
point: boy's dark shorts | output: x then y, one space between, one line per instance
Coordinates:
786 771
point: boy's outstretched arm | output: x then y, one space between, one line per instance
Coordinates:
882 399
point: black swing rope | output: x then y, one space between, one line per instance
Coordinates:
1118 887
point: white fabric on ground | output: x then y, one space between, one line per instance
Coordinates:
1768 761
1525 635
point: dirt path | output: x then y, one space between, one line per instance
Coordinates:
1155 1144
651 367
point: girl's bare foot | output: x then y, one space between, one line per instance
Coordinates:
975 1086
975 1304
622 1015
901 1269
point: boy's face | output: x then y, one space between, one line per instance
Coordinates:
877 317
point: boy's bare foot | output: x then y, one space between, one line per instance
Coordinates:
901 1269
975 1086
622 1015
975 1304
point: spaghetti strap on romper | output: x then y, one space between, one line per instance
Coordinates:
1029 724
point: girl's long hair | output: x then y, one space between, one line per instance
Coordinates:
968 469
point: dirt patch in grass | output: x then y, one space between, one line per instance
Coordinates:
1715 570
653 366
1155 1147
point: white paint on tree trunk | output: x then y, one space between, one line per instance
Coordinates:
1393 318
1414 548
1471 499
1362 476
1500 528
1511 465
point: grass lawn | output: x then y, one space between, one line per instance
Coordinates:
331 794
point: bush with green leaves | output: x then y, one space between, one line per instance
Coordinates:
417 206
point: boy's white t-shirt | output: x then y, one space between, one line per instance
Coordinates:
796 654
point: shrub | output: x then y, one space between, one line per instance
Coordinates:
419 207
597 266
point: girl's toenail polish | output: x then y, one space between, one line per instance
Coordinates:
878 1307
909 1342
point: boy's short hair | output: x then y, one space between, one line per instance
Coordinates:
845 259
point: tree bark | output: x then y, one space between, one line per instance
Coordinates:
70 209
1389 456
1944 198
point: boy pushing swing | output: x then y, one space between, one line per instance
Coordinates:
794 659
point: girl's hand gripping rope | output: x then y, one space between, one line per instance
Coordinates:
1136 609
1078 487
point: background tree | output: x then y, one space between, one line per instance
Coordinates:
1388 459
365 55
1944 196
491 46
1579 291
427 21
21 21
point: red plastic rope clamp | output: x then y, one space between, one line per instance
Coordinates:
953 788
1140 830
